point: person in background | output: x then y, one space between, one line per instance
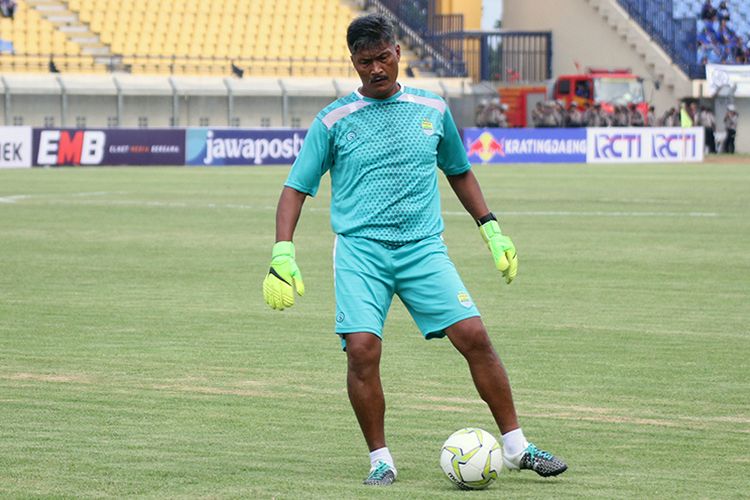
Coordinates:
550 117
723 12
708 11
537 113
479 117
597 117
730 123
574 118
503 117
8 8
707 120
651 117
620 117
493 114
635 117
686 119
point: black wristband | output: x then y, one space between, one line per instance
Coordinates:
484 220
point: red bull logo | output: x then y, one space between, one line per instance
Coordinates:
486 147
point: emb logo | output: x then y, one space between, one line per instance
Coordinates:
64 147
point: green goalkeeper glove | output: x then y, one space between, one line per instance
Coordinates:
502 248
283 278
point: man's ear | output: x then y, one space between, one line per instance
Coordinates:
398 52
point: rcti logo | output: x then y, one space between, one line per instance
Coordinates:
486 147
617 146
64 147
674 146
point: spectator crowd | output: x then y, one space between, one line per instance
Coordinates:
717 41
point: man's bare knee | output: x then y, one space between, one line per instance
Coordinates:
363 353
470 337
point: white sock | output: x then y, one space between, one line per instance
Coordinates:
382 454
514 442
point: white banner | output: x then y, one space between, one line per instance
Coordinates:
721 76
644 145
15 147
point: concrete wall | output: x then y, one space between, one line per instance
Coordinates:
97 110
156 109
304 109
251 110
580 34
194 109
34 108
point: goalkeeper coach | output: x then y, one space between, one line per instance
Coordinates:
382 146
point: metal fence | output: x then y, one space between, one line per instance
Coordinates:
447 50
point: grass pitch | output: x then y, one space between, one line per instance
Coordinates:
137 357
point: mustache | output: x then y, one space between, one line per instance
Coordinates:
377 79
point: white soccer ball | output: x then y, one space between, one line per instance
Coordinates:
471 458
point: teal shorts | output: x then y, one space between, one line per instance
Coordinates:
368 273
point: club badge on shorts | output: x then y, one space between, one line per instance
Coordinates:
464 299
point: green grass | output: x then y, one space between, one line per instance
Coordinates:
137 356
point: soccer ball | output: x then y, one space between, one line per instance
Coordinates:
471 458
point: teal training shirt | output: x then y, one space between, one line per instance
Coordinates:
382 157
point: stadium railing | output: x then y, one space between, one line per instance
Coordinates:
482 55
676 36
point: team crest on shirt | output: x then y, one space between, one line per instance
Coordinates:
427 127
464 299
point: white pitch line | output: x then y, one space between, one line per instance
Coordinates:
598 213
14 198
447 213
20 197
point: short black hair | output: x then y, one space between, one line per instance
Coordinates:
370 31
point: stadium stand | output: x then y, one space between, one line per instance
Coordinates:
182 37
35 41
676 26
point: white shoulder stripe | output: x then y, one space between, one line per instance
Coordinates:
425 101
337 114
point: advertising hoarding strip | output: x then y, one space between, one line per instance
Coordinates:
24 146
92 147
15 147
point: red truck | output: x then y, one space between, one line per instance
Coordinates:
608 88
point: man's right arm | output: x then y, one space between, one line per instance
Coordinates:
284 277
287 213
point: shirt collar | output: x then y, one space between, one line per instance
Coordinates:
394 97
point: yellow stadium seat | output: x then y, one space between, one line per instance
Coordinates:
271 37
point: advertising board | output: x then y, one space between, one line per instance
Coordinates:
15 147
141 147
525 145
644 145
233 146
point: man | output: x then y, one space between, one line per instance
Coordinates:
730 123
574 117
8 8
708 11
597 117
708 121
537 115
381 145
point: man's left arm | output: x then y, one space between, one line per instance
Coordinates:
467 190
503 251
